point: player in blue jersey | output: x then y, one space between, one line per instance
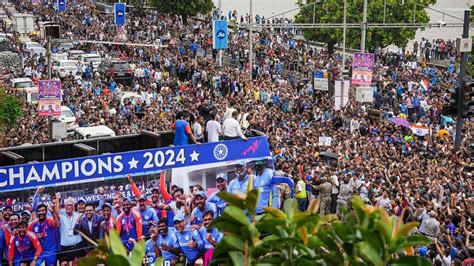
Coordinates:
221 182
201 207
46 231
189 241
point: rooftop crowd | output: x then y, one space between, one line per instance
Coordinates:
388 165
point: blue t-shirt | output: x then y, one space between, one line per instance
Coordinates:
148 216
215 235
238 186
198 214
169 240
150 255
191 254
264 183
220 203
180 136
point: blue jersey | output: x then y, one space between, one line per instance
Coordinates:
215 235
150 255
169 240
220 203
46 233
238 186
148 216
264 183
191 254
198 214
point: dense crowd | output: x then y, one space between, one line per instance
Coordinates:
417 176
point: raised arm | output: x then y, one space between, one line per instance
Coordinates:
164 192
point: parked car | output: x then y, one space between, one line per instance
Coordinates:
64 44
58 57
33 48
119 69
64 67
86 59
74 54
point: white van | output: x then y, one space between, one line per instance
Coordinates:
26 86
93 132
67 117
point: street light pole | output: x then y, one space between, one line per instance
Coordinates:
462 82
344 40
364 27
251 43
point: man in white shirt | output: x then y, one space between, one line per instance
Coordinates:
213 129
230 109
197 128
231 128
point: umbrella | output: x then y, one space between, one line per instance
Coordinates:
400 121
328 154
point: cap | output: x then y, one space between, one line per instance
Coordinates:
201 194
221 176
81 200
178 218
26 212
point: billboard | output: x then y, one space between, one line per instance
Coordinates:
49 98
219 34
362 67
119 13
119 165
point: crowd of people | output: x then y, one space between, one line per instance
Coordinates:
419 176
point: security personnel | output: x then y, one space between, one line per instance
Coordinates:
325 193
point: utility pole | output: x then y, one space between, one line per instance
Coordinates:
251 43
364 27
344 40
48 56
462 82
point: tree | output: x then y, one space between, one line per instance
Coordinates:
10 111
332 11
365 236
183 8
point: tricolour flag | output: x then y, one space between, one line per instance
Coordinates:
420 130
425 85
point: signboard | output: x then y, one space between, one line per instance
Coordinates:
319 82
464 45
219 34
119 13
364 94
324 141
362 67
49 98
119 165
62 5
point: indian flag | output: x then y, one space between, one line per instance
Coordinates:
425 85
420 130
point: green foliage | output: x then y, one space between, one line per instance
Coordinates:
332 11
111 251
183 8
10 110
365 236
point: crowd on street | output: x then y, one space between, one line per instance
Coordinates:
417 176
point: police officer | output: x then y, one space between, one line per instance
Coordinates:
325 193
345 192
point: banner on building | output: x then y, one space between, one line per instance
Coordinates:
49 98
362 68
119 165
219 34
119 13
